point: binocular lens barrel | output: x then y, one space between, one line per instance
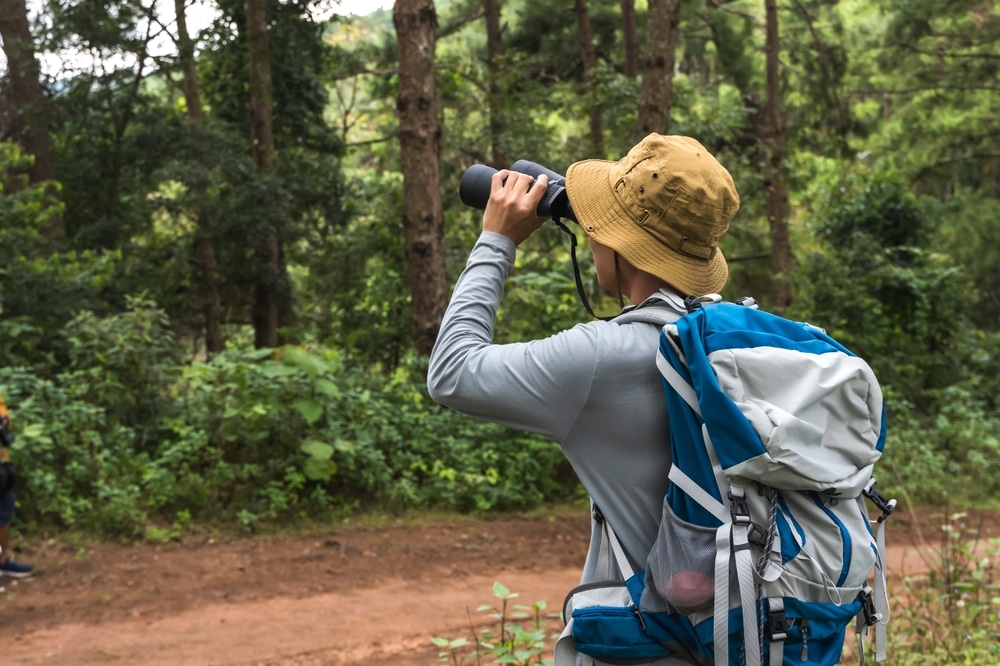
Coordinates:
474 188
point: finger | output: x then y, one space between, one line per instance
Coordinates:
538 190
498 181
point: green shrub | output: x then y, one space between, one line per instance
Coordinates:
124 442
78 468
948 453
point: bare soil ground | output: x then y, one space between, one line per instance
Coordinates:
372 595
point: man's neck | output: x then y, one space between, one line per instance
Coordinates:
642 286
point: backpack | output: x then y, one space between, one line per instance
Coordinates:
765 547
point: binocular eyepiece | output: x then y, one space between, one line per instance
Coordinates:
474 188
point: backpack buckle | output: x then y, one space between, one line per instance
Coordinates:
693 303
868 610
886 506
777 623
740 510
757 535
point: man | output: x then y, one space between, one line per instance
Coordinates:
8 567
654 220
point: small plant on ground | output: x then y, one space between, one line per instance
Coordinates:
952 613
520 639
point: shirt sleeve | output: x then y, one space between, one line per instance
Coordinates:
540 386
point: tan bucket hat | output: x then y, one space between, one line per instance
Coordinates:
663 207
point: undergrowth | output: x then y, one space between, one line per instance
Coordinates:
948 616
518 638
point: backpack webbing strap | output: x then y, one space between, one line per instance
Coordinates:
609 538
721 610
616 548
743 558
776 609
881 595
874 613
737 535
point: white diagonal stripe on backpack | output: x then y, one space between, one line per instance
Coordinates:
675 380
698 494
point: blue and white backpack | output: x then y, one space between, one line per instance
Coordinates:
765 552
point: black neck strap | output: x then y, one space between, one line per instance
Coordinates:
576 270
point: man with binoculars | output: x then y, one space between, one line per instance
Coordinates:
654 220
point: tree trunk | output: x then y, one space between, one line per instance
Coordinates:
28 106
630 37
777 183
589 58
494 51
204 248
261 89
420 145
185 49
658 67
265 316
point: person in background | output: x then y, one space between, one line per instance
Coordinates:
8 567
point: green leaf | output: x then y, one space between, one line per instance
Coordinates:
33 431
303 360
328 388
500 591
319 470
275 369
311 410
317 450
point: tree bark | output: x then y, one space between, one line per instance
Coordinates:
28 106
588 56
494 52
630 38
266 291
185 49
420 145
261 87
777 182
658 67
204 248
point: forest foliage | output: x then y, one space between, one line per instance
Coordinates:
134 417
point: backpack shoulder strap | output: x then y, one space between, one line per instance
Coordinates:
649 314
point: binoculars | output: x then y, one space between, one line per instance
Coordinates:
474 188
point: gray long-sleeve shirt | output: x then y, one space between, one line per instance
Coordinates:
594 389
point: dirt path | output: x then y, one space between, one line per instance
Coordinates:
361 596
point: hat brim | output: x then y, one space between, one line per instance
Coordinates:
604 219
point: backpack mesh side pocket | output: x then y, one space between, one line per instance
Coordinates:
680 570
